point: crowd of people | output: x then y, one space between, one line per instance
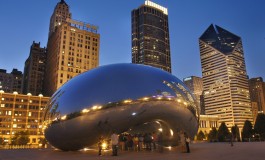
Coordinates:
140 142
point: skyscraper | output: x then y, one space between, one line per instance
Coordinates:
150 36
225 81
34 70
60 15
73 48
257 93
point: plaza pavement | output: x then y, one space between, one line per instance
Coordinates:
199 151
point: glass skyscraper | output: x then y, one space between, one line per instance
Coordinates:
225 81
150 36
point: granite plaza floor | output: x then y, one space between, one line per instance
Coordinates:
199 151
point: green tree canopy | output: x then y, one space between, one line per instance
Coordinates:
20 138
223 132
212 136
259 126
200 136
247 131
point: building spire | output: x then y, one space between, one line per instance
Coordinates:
63 2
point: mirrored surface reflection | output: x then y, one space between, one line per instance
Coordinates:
120 98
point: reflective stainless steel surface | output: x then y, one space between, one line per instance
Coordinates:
121 98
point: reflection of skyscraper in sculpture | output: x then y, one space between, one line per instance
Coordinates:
73 48
150 36
195 85
224 75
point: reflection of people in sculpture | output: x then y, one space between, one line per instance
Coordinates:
114 141
160 142
182 141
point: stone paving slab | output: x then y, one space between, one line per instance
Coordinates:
199 151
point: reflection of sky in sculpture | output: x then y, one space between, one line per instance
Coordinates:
114 83
119 97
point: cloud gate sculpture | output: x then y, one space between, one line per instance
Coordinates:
122 98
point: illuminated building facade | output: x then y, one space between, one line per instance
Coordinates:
207 122
195 85
225 81
73 48
11 82
34 70
150 36
60 15
257 93
19 112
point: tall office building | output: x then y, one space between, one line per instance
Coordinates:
73 48
34 70
257 93
11 82
195 85
150 36
225 81
60 14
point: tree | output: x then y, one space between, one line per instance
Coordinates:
223 132
259 126
235 133
20 138
200 136
212 136
247 131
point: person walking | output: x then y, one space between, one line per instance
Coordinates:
114 142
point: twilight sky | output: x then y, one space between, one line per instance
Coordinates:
25 21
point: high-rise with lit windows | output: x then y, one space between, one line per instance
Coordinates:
150 36
73 48
257 93
225 81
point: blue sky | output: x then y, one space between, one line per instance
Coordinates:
25 21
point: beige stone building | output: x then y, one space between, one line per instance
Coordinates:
225 81
207 122
19 112
73 48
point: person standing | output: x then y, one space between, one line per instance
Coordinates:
100 145
114 143
187 139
